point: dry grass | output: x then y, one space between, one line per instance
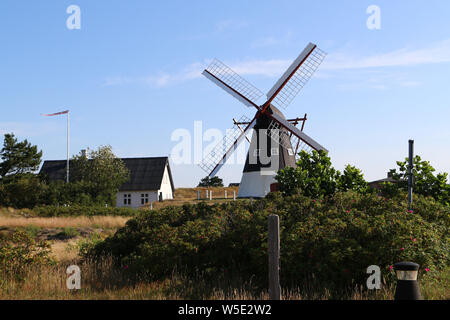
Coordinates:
106 222
438 288
65 251
189 195
12 212
102 281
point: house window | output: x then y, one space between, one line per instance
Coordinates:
127 199
144 198
290 152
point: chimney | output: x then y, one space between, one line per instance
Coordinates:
84 153
389 175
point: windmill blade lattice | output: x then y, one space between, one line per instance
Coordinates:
299 79
225 74
215 156
290 142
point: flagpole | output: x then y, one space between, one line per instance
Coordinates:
68 134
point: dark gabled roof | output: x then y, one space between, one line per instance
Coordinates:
145 173
54 169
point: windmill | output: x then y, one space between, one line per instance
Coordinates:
273 137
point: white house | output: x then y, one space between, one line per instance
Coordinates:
150 180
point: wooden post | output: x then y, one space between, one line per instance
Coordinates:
198 195
151 205
207 194
210 195
234 195
274 257
225 194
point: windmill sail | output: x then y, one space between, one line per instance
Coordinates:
278 123
234 84
296 76
290 142
218 155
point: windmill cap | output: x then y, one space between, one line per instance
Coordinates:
406 266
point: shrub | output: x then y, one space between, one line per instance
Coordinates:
339 238
424 180
211 182
82 193
315 177
352 179
334 239
19 250
21 191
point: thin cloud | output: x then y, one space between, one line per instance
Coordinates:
162 79
436 53
410 83
190 72
351 80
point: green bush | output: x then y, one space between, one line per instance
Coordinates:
333 240
425 182
314 176
82 193
21 191
79 210
19 250
28 191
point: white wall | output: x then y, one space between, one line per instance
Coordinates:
135 198
166 187
254 184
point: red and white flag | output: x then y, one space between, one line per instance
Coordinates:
55 114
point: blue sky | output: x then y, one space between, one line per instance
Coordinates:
131 75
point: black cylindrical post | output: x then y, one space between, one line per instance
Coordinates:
407 285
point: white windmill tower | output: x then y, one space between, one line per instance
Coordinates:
273 138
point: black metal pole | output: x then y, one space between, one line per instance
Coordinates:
410 173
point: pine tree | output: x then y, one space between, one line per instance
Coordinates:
18 157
